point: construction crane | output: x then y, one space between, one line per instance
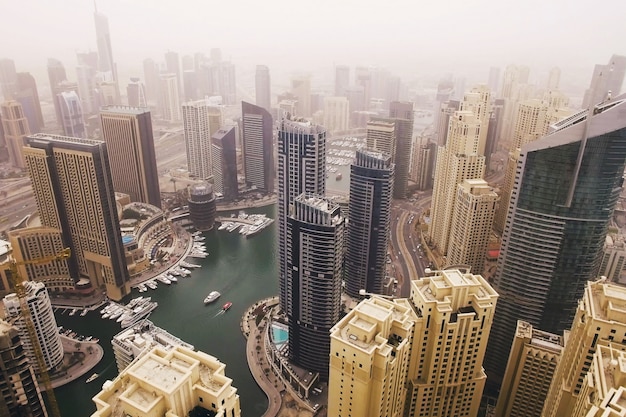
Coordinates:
20 290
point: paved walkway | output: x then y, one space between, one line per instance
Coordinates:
78 359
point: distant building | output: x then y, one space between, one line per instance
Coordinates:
529 371
127 132
381 135
141 338
301 89
170 382
15 128
342 80
168 99
613 258
262 86
402 112
19 391
28 96
71 112
136 93
45 325
202 208
258 147
200 121
225 162
336 114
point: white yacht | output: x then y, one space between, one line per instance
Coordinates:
213 295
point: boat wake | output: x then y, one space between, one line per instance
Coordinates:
219 313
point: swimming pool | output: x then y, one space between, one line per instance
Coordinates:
279 334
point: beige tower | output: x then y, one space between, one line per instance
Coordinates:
472 220
16 128
301 88
169 104
32 243
600 320
533 358
603 393
381 135
369 358
478 101
169 383
457 161
336 114
455 311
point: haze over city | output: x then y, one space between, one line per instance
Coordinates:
411 39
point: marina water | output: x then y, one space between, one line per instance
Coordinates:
243 270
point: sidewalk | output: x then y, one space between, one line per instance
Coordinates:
78 359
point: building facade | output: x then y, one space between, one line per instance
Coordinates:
71 112
202 208
315 239
369 217
301 169
18 384
127 132
44 323
224 151
472 220
402 112
200 122
15 128
258 147
336 114
168 98
73 188
262 86
553 239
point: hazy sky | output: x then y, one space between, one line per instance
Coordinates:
410 37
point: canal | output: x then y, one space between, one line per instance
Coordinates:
242 269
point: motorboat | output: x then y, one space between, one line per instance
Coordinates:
152 285
213 295
92 378
226 306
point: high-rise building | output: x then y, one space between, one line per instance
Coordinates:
172 66
151 75
169 104
597 337
71 112
494 80
553 238
258 147
455 311
606 79
262 85
19 390
15 127
370 352
336 114
8 78
227 83
73 188
457 161
190 85
402 112
342 80
34 243
127 132
56 75
87 89
369 217
202 208
301 88
425 165
136 93
175 380
28 97
200 122
224 151
315 238
472 220
529 372
105 51
445 112
301 169
380 134
613 258
44 323
554 77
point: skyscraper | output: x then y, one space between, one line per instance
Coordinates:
377 335
15 127
342 80
200 122
402 112
472 220
44 323
599 325
529 371
8 78
20 393
223 149
169 104
380 134
202 209
56 75
301 169
127 132
605 78
172 66
28 96
105 51
136 93
151 75
73 188
258 147
553 239
457 161
301 88
455 310
315 236
87 89
369 216
262 86
336 114
71 112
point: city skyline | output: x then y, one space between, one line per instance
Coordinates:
435 40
